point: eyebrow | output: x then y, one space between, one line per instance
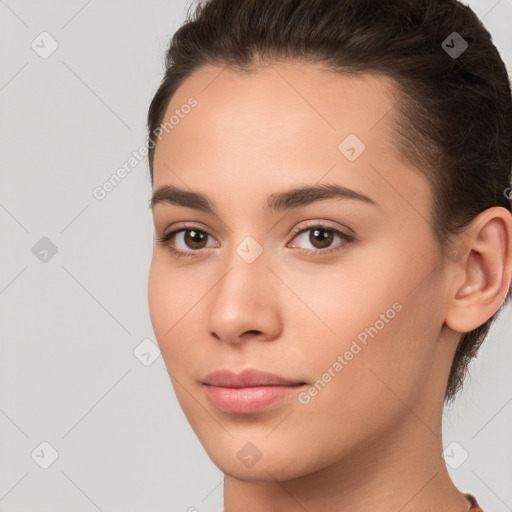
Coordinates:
277 202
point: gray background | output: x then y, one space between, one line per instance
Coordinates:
70 325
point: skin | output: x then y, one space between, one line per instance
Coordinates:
371 439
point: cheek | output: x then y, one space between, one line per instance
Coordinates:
171 299
376 317
361 378
172 295
160 302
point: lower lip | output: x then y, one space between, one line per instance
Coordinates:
247 400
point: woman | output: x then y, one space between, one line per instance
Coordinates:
331 201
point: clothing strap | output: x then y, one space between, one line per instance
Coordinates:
475 507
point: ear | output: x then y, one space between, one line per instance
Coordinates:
482 271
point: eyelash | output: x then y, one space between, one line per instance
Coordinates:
347 239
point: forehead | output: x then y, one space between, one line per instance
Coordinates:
282 101
280 123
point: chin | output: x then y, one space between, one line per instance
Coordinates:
262 461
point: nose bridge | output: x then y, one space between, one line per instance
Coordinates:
242 299
247 273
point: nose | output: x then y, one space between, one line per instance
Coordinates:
244 304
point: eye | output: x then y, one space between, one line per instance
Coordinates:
188 237
321 238
190 240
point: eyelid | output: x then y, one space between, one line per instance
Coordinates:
310 224
185 226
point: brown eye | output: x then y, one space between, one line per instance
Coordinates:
194 239
185 242
321 239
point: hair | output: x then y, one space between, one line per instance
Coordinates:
453 119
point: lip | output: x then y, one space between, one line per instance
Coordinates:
248 392
247 378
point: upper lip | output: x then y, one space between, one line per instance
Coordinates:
247 378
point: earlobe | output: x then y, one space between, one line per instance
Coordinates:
483 273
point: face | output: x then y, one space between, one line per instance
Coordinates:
334 292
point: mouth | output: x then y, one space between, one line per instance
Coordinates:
248 392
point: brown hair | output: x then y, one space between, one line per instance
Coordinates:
454 115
